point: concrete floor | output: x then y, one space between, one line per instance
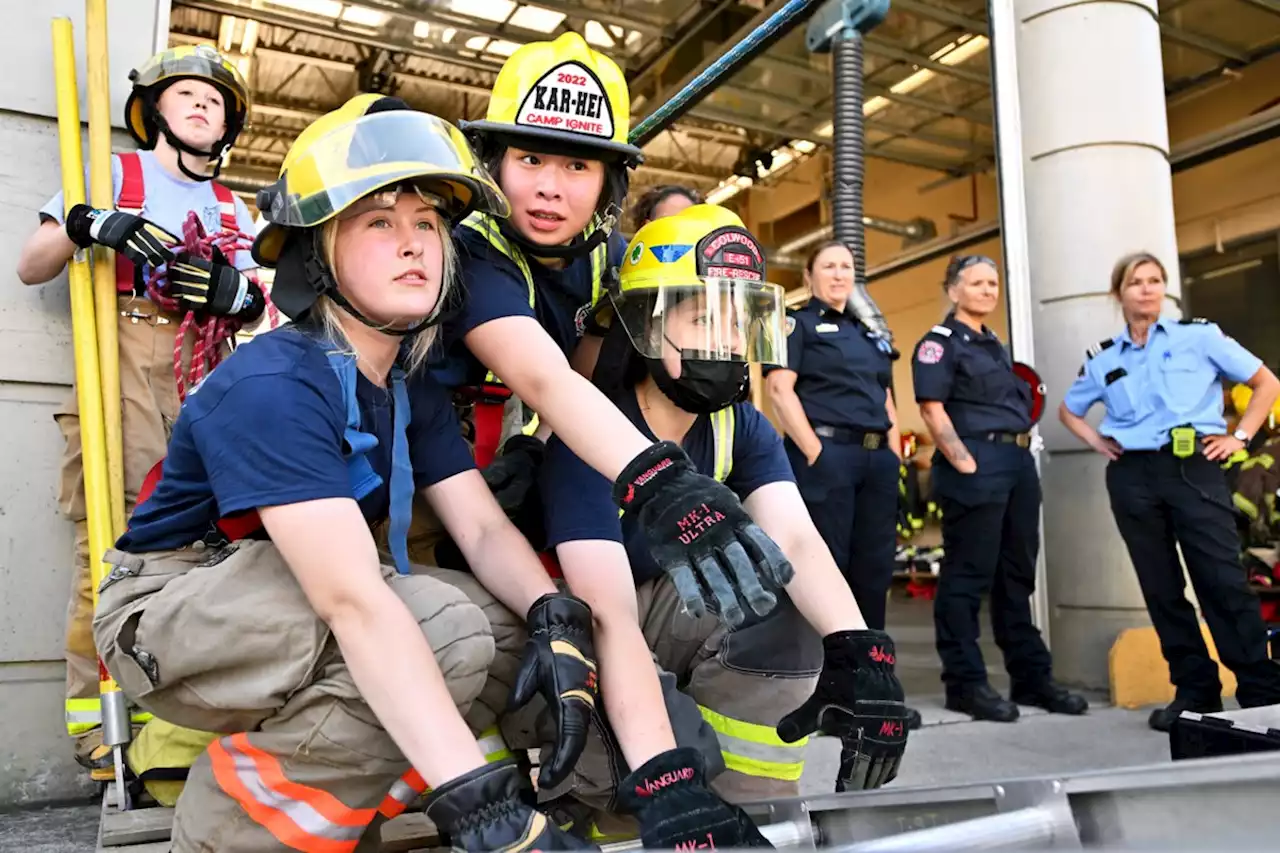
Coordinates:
950 749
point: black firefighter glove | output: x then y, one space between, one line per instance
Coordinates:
701 536
132 236
677 811
559 662
482 810
860 701
214 287
513 473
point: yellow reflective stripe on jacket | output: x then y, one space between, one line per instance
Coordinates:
1245 505
493 746
722 434
756 750
85 715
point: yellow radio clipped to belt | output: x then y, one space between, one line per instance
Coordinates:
1183 439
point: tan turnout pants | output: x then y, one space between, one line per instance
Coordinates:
149 406
226 641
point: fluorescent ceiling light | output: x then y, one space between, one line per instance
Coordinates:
804 146
962 50
875 105
476 43
448 34
596 34
227 32
490 10
323 8
828 129
421 29
363 17
250 37
633 37
502 47
536 18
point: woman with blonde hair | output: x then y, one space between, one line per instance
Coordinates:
339 677
1165 439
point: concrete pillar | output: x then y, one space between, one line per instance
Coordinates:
1095 147
36 371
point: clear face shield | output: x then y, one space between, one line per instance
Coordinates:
704 318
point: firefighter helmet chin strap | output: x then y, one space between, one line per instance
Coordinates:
322 281
578 247
220 150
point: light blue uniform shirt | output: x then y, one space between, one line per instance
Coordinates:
1175 380
168 199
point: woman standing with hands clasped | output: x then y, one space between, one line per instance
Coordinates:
1165 437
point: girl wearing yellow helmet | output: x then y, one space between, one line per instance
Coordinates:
248 594
692 309
555 139
187 107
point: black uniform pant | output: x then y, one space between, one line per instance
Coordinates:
1160 502
852 497
990 537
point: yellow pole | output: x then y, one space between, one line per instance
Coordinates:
102 195
84 334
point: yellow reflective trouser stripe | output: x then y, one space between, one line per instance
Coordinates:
756 750
84 715
493 746
1245 505
532 426
722 431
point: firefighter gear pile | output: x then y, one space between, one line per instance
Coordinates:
1255 492
860 701
559 662
669 796
483 810
701 536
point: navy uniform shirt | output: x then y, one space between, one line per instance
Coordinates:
1174 380
841 372
494 287
578 500
972 375
265 429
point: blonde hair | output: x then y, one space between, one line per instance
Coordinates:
329 314
1126 266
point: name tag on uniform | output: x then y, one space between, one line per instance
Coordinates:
826 327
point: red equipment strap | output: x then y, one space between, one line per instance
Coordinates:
234 527
487 410
227 205
133 195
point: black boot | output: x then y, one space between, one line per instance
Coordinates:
914 720
1161 719
981 702
1053 697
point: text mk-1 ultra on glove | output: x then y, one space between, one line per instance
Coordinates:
214 287
132 236
483 810
677 811
559 662
860 701
701 536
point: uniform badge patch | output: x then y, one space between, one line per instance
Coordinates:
791 325
930 352
637 252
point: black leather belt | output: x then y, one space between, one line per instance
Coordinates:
869 439
1022 439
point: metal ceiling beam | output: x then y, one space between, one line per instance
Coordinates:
1272 6
1237 136
929 105
886 49
347 65
1204 44
942 16
316 26
648 26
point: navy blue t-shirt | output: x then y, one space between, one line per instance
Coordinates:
494 287
841 373
971 373
578 500
265 429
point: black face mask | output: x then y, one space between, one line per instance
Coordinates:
704 386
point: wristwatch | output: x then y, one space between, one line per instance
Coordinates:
1241 436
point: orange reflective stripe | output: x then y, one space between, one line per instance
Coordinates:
299 816
406 789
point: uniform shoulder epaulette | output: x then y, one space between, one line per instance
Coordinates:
1200 320
1108 343
945 331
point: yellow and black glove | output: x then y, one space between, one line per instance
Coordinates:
559 662
214 287
137 239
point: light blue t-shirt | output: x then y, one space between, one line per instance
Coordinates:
168 200
1174 380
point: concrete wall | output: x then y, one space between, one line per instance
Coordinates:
36 371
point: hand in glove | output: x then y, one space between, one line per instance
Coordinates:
482 810
859 700
676 810
701 536
559 662
513 474
132 236
214 287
